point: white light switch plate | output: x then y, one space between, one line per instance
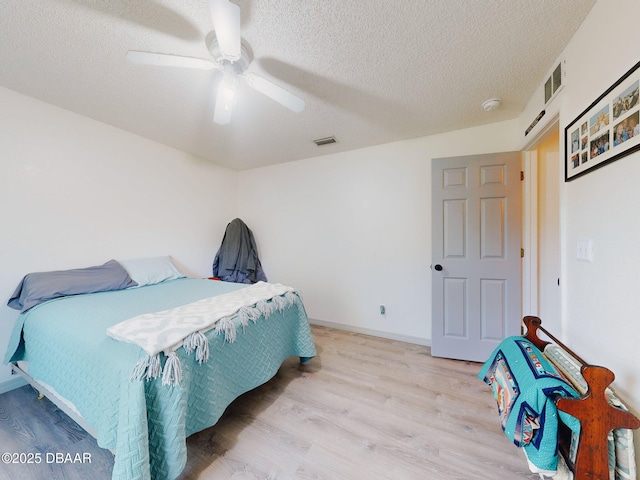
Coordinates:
584 250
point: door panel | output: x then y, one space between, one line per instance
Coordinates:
492 228
455 220
476 239
492 309
455 300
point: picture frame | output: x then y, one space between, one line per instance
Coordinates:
607 130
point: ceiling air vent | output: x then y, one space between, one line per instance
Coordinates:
325 141
553 83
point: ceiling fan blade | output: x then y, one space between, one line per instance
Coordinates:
165 60
226 23
275 92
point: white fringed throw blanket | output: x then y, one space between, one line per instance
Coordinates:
184 326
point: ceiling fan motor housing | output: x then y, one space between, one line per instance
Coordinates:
240 65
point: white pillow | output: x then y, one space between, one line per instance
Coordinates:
149 271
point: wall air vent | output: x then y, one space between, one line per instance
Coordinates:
554 83
325 141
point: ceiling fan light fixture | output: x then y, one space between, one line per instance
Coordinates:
228 83
225 96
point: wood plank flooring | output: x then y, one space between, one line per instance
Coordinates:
365 408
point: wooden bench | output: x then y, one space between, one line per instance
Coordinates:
598 417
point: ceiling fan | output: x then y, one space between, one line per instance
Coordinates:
231 56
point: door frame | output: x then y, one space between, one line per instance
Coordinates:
530 261
530 299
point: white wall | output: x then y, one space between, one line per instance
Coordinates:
75 192
352 230
600 299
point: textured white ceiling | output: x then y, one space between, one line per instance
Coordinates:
370 71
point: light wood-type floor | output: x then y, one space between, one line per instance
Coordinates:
365 408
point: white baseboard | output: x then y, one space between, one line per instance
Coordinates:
374 333
12 384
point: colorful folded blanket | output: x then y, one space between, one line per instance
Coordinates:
524 385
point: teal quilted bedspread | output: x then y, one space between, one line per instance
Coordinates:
144 422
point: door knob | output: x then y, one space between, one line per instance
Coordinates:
438 267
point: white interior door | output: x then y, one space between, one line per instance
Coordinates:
476 241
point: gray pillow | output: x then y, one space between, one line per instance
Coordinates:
39 287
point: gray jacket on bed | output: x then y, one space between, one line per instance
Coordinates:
237 259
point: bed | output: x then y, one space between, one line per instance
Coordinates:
144 420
